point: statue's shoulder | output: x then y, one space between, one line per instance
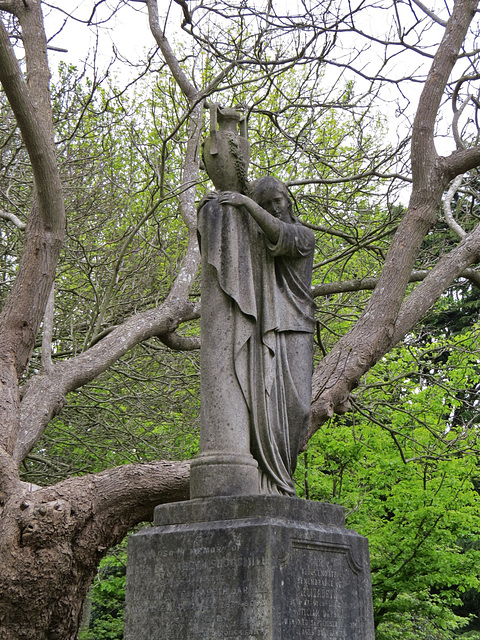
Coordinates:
303 233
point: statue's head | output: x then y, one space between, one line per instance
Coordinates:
272 195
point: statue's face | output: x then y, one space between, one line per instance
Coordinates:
277 204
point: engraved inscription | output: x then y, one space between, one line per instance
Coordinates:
215 587
319 585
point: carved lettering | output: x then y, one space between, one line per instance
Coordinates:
206 588
318 583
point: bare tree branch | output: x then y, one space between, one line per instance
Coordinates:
6 215
425 294
447 208
358 284
179 343
183 82
429 13
44 395
461 161
39 405
7 5
47 364
456 117
126 494
359 176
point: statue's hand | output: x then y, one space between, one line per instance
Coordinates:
213 195
233 198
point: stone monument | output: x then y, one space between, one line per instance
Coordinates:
245 559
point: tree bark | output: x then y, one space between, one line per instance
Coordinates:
52 539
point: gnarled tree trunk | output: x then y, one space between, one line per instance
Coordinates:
52 539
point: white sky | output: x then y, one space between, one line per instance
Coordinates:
127 31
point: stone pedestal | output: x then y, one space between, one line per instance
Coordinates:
248 568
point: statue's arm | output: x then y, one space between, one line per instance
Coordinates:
268 223
296 241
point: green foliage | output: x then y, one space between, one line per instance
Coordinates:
405 467
107 598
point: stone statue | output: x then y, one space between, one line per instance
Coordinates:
257 340
234 563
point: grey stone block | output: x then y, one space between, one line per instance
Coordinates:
248 568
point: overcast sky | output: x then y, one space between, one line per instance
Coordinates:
128 32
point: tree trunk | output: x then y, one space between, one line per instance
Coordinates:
51 541
378 328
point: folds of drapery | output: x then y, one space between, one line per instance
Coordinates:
271 333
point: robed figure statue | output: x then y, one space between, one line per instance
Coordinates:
257 328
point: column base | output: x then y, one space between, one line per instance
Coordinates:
223 474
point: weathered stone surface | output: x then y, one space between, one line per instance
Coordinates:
248 568
226 154
257 342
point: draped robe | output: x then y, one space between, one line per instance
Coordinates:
258 312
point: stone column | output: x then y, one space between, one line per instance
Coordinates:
225 465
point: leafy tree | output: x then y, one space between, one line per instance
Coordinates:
131 236
406 470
